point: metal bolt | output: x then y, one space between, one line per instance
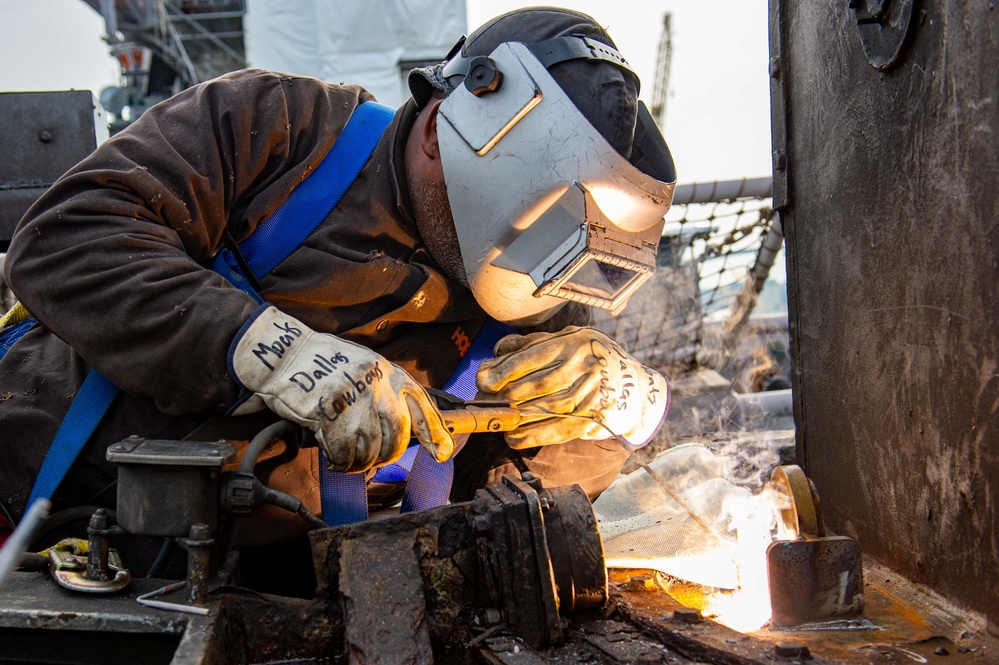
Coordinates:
198 546
527 476
45 136
494 424
97 547
775 67
780 160
642 583
99 520
942 651
199 531
792 650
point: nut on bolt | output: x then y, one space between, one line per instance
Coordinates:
795 650
688 615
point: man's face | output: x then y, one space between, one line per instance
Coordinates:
429 194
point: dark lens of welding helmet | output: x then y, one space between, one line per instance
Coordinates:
603 280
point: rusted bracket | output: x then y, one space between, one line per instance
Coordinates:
814 578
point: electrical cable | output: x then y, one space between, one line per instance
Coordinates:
264 494
162 559
260 442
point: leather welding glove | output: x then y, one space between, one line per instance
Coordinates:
578 372
361 406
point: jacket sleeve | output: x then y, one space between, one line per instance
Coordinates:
111 257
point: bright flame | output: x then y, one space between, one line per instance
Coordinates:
642 528
754 520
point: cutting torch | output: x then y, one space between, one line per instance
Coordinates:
473 416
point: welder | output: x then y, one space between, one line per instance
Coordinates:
521 184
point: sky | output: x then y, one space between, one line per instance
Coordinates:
718 108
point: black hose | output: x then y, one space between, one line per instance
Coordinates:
162 559
316 522
264 494
260 442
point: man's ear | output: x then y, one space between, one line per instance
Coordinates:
428 137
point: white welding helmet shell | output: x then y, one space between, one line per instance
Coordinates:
545 209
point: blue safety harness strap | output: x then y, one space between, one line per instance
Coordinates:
90 405
304 210
86 411
272 242
343 496
430 481
15 332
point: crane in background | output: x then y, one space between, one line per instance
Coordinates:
660 89
164 46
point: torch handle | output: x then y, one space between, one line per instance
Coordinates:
472 418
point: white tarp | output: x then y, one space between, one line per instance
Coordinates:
351 41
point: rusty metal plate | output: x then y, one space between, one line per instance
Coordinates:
815 580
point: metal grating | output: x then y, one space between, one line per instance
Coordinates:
709 248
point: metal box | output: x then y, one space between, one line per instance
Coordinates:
44 135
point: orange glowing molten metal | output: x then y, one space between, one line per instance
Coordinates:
724 550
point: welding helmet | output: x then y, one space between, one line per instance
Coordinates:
546 210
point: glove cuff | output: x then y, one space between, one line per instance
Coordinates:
250 320
662 420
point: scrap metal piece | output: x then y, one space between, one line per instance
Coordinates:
385 614
513 544
575 548
814 578
516 555
803 513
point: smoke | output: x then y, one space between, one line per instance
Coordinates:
748 458
643 527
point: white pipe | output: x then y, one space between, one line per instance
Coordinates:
728 190
13 550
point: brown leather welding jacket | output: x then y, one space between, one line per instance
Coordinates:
111 260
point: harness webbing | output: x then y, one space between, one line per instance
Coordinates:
273 241
430 481
343 495
90 405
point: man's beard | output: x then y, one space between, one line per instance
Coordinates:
436 225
